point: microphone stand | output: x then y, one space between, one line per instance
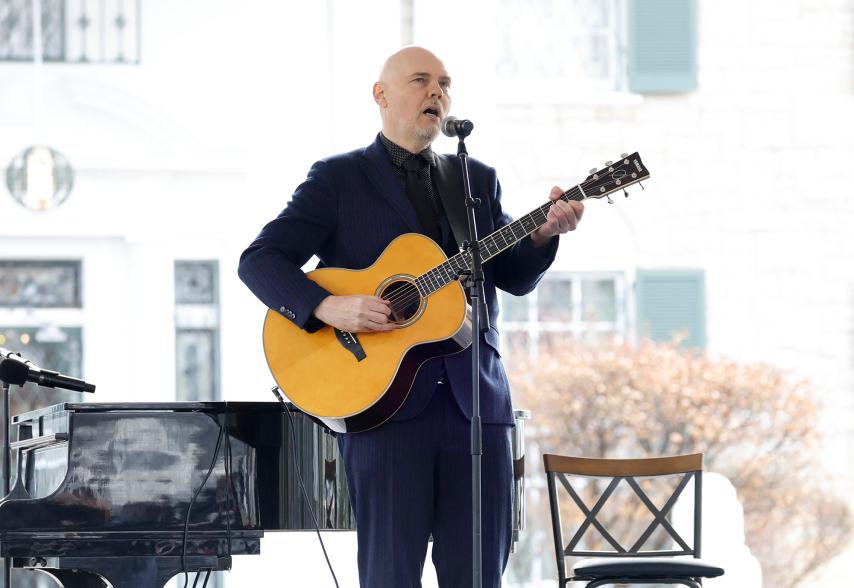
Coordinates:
480 324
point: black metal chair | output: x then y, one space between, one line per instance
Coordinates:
635 564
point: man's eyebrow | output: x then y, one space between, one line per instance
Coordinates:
426 74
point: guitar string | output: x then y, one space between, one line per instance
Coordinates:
407 295
394 297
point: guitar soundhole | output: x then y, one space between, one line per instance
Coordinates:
405 300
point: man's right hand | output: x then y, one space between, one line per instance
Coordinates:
355 314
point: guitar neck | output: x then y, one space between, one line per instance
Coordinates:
491 245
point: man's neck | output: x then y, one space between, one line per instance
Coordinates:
411 145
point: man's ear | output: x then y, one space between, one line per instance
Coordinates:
379 95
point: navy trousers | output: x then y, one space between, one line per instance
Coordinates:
410 479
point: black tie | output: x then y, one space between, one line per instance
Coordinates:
420 197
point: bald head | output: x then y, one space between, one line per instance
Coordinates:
412 94
404 59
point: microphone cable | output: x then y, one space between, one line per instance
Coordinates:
278 395
207 576
193 500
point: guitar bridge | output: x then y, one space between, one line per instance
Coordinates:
351 343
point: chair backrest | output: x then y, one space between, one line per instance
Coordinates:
564 473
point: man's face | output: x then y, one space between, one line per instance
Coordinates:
413 97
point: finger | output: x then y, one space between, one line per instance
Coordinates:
556 193
563 220
382 307
559 219
374 326
572 210
577 208
376 317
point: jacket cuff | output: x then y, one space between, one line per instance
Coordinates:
301 313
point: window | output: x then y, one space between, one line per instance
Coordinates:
71 31
571 42
580 306
40 284
41 317
197 330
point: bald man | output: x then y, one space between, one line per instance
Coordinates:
410 478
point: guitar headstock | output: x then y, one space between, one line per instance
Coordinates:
614 176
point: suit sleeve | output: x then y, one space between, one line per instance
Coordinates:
519 270
270 266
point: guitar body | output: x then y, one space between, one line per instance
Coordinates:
356 382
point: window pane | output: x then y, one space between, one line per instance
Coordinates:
40 284
16 21
196 364
599 301
554 300
195 282
59 349
514 308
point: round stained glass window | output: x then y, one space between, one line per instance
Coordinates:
40 178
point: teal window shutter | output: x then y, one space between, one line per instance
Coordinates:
662 45
671 302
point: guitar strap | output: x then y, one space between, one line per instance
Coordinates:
449 184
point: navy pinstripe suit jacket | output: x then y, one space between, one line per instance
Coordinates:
349 208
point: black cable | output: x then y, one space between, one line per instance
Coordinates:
193 500
230 481
226 462
278 396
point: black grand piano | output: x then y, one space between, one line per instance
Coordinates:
130 495
118 492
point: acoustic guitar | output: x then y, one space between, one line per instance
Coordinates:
356 381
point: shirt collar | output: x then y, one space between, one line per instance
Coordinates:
399 154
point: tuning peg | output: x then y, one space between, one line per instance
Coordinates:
623 155
593 171
609 162
625 193
609 200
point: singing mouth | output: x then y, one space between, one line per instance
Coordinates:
432 112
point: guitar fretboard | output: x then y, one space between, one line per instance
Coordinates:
491 245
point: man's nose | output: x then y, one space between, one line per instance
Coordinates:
436 90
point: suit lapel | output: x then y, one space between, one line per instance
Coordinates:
380 172
449 183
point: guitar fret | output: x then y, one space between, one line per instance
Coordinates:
492 245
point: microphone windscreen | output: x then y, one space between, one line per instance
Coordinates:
14 372
448 126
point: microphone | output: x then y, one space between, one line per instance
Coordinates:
453 127
16 370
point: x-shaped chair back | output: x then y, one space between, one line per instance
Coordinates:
560 470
